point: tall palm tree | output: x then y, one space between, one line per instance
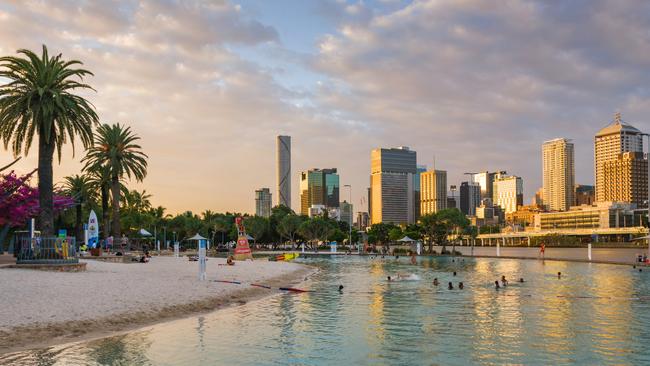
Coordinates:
38 100
79 188
100 182
116 149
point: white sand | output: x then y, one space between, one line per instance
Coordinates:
31 298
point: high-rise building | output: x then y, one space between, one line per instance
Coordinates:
363 220
263 202
283 155
486 181
609 144
347 212
508 193
433 197
558 174
318 187
417 191
584 195
626 179
470 197
391 185
451 202
538 200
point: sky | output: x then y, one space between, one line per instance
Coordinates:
476 85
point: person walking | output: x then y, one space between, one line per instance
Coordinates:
542 250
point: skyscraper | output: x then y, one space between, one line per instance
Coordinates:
433 196
263 202
347 211
508 193
486 181
283 154
558 174
609 143
470 197
626 179
417 191
391 185
318 187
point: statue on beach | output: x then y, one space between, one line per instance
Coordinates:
242 250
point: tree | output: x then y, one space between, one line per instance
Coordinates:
288 227
78 188
395 234
314 229
39 100
437 227
379 233
116 149
257 227
100 181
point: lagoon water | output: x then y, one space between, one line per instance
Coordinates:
593 314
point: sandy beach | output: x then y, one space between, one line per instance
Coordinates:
40 308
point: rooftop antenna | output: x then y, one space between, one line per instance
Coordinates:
617 118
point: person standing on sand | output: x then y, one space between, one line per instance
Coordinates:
542 249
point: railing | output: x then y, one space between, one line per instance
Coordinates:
47 250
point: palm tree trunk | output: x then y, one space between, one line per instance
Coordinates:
116 206
105 189
45 186
80 233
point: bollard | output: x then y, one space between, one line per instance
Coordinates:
589 251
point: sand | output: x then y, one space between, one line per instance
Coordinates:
40 308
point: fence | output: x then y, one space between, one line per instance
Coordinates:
47 250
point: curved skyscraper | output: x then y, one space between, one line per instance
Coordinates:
284 170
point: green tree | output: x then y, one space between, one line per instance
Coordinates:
257 227
78 187
100 181
116 148
379 233
39 99
288 227
314 229
395 234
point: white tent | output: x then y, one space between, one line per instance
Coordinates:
406 239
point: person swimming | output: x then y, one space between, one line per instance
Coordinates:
504 281
460 285
435 282
496 285
340 288
451 286
454 273
559 275
521 280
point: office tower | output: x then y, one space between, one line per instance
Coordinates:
470 197
416 190
486 181
558 174
584 195
391 185
451 202
363 220
538 200
626 179
433 197
508 192
609 144
263 202
347 212
283 155
319 187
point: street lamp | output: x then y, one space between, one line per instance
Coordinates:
351 208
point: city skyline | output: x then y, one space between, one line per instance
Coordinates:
237 74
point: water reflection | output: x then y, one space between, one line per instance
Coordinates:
593 314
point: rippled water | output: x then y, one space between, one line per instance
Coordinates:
594 314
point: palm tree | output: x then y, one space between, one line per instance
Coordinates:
116 149
79 188
38 100
100 182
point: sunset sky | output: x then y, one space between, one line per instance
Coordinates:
208 84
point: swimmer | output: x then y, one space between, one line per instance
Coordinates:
521 280
496 285
451 286
504 281
454 273
460 285
640 270
559 275
397 257
435 282
413 259
388 278
453 260
340 288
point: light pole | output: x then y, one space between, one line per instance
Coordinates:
351 214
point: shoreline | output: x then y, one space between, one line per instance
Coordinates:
48 334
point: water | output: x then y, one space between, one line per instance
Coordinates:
594 314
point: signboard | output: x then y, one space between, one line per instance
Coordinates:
93 230
63 233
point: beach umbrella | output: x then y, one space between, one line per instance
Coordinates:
144 232
197 237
